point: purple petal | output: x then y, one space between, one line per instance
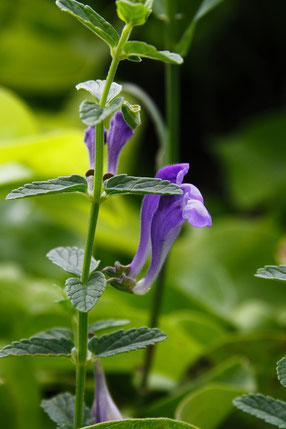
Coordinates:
89 139
196 214
103 409
117 136
174 173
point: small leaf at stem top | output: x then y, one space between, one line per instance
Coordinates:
142 49
70 259
123 184
132 13
91 19
125 341
84 297
60 185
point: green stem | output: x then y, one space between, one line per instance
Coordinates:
82 330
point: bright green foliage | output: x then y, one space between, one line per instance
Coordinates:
60 409
105 324
60 185
96 87
271 410
92 114
208 406
91 19
125 341
133 13
123 184
281 371
55 342
143 424
70 259
142 49
186 40
84 297
131 114
272 272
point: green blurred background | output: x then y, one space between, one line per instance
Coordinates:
226 328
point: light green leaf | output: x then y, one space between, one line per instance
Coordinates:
91 113
125 341
143 424
186 40
142 49
55 342
96 87
272 272
123 184
131 114
216 399
133 13
281 371
60 409
270 410
82 297
60 185
70 259
91 19
104 324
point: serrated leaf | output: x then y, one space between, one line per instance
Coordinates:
92 114
91 19
131 114
82 297
55 342
123 184
281 371
270 410
96 87
60 409
70 259
60 185
186 39
272 272
133 13
125 341
159 423
104 324
142 49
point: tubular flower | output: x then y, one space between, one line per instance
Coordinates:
162 218
103 409
116 137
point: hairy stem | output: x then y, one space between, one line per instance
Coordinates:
82 330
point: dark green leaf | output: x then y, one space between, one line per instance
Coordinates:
60 185
186 40
132 13
131 114
143 424
91 19
125 341
60 409
104 324
281 371
123 184
82 297
91 113
96 87
70 259
272 272
142 49
55 342
270 410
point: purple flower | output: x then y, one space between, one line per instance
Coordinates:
103 409
162 218
116 137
